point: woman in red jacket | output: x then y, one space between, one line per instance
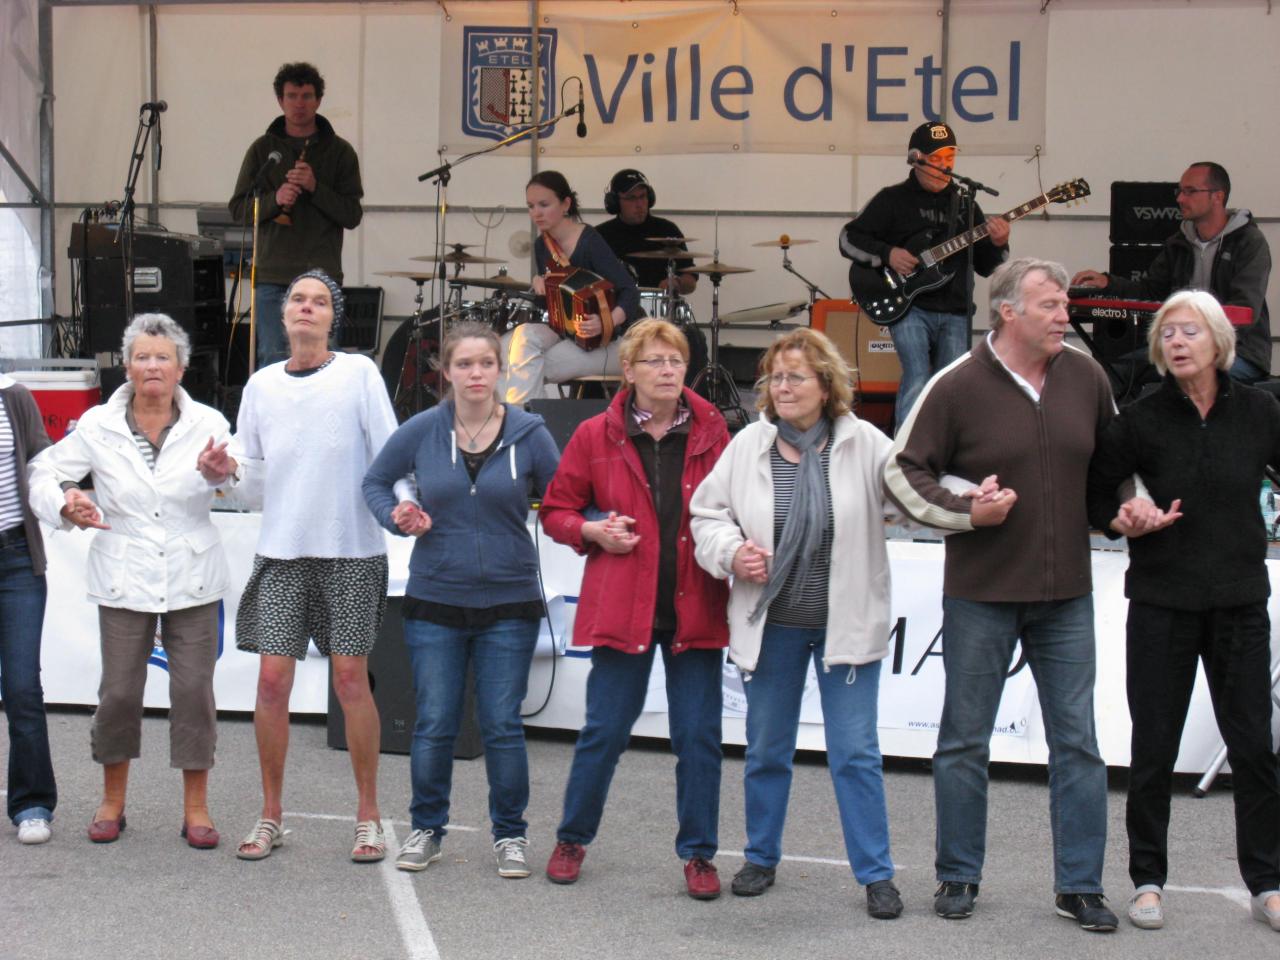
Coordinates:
621 497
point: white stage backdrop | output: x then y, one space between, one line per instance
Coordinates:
776 77
911 680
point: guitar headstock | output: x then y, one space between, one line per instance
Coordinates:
1070 191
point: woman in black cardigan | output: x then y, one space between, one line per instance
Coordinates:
1197 586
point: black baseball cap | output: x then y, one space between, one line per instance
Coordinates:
932 136
624 181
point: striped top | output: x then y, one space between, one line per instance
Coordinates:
150 451
801 604
10 503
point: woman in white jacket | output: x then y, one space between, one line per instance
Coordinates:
156 556
794 510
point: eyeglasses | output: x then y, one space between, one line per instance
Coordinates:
1188 330
1179 191
657 363
792 380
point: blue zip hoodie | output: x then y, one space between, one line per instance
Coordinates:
478 552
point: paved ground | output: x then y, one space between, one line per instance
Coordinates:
149 896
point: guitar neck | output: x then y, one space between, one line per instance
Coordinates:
964 240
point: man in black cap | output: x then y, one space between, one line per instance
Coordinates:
630 199
900 222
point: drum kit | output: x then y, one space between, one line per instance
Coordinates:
509 304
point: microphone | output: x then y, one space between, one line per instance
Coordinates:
582 114
159 106
274 157
914 157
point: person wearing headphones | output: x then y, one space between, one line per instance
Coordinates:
901 221
630 198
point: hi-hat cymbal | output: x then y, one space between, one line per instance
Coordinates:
671 240
456 256
668 253
769 313
783 241
414 275
716 267
501 282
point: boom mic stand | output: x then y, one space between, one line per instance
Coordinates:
148 117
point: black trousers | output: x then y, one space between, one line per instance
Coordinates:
1235 646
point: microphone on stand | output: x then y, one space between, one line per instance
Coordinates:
274 157
159 106
582 114
914 157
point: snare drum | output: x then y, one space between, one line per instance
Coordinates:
654 303
501 314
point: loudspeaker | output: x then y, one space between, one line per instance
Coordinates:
391 679
865 345
1143 211
563 416
362 326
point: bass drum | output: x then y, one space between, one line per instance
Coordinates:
411 366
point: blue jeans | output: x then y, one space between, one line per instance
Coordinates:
849 702
501 655
926 341
615 696
272 344
1245 372
977 644
32 790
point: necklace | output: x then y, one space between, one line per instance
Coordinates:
471 437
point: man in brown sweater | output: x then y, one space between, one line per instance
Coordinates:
1018 415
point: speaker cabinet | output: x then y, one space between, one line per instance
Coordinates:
563 416
391 679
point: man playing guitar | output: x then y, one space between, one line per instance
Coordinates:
901 221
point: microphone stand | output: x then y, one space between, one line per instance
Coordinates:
814 289
968 187
441 176
148 117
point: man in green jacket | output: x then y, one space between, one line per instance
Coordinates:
310 192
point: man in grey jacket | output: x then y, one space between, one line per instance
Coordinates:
1218 249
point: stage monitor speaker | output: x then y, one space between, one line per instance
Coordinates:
362 327
563 416
391 679
1143 211
865 345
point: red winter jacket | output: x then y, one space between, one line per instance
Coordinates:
600 468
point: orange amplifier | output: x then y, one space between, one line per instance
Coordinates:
865 345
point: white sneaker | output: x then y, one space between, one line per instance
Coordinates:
34 830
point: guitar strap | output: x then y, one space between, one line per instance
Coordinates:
553 249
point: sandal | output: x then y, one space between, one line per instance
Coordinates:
265 836
371 844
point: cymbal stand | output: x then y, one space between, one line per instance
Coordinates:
814 290
721 390
415 340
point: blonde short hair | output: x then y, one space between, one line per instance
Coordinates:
1206 307
825 360
640 334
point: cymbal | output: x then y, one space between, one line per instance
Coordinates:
667 253
500 282
456 257
715 266
414 275
783 241
769 313
671 240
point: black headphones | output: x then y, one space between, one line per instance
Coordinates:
612 205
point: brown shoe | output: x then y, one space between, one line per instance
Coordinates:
565 862
202 838
701 879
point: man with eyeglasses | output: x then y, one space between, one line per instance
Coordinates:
1218 249
897 224
1017 417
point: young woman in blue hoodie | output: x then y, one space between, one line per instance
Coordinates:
473 593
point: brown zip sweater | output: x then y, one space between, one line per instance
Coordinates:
973 420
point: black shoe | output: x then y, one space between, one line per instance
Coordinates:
954 901
752 880
883 900
1087 909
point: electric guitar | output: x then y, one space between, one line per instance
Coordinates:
884 295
